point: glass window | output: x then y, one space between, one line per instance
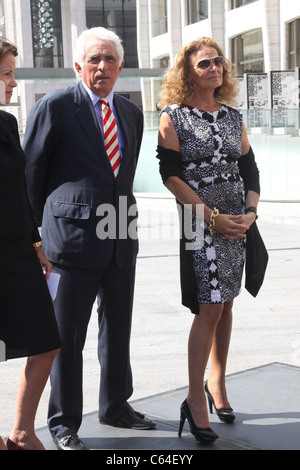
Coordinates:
118 16
247 52
164 62
47 33
160 19
294 44
240 3
196 10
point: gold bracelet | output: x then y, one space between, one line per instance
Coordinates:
212 222
37 245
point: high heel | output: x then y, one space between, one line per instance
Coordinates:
204 435
10 445
224 414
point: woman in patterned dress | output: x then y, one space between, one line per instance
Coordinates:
202 148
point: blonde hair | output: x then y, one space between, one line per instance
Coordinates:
177 88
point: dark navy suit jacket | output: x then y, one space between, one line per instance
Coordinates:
69 177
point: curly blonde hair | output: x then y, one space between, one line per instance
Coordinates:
177 88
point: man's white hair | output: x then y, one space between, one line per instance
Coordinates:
99 33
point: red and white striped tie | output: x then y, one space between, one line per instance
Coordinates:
110 136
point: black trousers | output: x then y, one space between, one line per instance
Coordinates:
77 292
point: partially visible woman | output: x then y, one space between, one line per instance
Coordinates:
27 323
205 159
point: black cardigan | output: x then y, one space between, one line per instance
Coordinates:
16 216
170 165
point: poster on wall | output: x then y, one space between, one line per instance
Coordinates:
284 97
257 87
242 95
297 80
284 93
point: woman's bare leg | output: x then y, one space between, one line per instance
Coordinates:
2 445
199 347
32 382
218 357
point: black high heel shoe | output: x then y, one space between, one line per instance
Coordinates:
204 435
226 415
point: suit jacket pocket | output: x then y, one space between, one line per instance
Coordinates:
70 210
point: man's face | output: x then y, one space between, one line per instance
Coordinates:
101 68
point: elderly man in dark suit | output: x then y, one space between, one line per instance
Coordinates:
81 192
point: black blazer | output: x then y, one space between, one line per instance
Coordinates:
69 176
16 216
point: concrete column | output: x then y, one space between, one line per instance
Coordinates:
271 35
19 31
217 13
174 27
143 33
74 22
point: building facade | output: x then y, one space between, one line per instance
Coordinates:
45 32
258 36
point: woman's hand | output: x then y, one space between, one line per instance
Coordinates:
45 263
233 226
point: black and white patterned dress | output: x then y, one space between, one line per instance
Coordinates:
210 146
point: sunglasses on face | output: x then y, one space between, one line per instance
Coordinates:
206 63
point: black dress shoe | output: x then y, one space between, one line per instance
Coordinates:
131 420
69 441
